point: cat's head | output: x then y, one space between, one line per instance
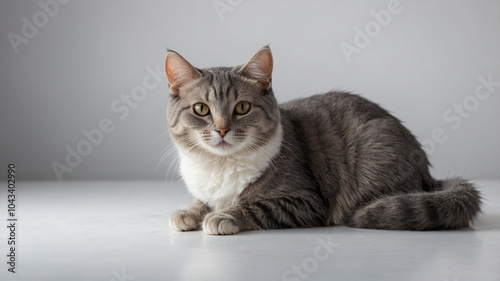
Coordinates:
222 110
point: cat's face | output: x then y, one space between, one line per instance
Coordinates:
222 111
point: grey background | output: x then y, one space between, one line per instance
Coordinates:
67 76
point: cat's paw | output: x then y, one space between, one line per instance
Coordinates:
184 221
220 224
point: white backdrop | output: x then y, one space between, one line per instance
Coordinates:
82 91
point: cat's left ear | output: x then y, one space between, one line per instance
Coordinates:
259 67
179 71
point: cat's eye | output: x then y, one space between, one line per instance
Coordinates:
201 109
242 108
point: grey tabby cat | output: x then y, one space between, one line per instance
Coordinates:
330 159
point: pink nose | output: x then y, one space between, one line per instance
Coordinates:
222 132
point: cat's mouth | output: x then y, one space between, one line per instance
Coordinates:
223 144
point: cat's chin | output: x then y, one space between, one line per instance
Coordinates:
222 149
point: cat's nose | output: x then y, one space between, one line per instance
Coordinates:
222 132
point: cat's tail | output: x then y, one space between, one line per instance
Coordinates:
453 204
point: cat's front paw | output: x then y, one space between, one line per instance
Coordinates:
184 221
220 224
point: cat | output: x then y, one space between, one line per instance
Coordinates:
329 159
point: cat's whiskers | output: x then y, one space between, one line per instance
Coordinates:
166 132
167 147
195 148
172 164
166 152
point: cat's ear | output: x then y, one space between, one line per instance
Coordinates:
179 71
259 67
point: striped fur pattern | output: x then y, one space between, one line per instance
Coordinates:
329 159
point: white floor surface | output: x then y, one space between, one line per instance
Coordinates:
118 231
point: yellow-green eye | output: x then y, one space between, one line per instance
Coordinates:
201 109
242 108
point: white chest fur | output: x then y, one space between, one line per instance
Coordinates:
218 181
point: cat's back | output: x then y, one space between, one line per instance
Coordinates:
335 106
338 122
341 122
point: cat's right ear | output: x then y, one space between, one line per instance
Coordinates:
179 71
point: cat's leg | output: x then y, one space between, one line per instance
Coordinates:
190 218
265 214
221 223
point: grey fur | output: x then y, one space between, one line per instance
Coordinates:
343 161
